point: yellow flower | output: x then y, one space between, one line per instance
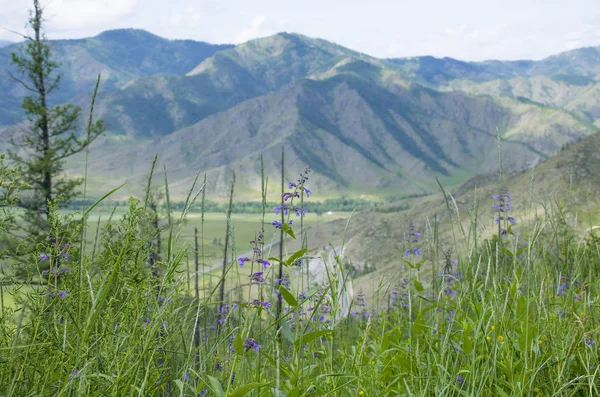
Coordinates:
540 342
493 327
361 393
372 362
500 338
537 390
582 314
488 338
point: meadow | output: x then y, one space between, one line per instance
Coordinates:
512 315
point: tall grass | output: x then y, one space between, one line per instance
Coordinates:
512 315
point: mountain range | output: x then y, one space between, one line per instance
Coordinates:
364 125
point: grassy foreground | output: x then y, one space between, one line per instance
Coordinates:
516 315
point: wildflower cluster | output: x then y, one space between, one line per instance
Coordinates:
56 271
569 286
296 188
450 277
400 294
250 343
412 238
360 302
502 207
257 249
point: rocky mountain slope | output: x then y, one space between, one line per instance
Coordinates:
363 124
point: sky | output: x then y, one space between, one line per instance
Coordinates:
470 30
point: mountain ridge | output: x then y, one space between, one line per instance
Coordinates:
360 121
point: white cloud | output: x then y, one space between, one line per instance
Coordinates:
585 34
67 15
256 29
76 17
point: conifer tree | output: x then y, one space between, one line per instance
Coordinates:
50 133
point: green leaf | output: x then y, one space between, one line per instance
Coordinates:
385 343
238 344
290 232
287 295
292 260
295 392
507 252
467 342
521 307
285 330
418 285
243 390
312 336
100 200
415 266
273 259
287 229
179 384
419 325
215 385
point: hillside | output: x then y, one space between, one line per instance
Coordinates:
568 80
355 135
363 124
121 56
376 240
216 84
577 65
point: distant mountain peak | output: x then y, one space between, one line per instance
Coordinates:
127 32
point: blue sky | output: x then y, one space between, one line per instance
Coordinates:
463 29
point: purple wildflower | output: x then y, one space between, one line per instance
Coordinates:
257 277
460 380
250 343
412 251
285 208
242 260
62 294
360 299
286 196
502 207
258 303
264 263
300 211
63 270
412 236
590 342
43 257
279 225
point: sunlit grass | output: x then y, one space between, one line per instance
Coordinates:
514 315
